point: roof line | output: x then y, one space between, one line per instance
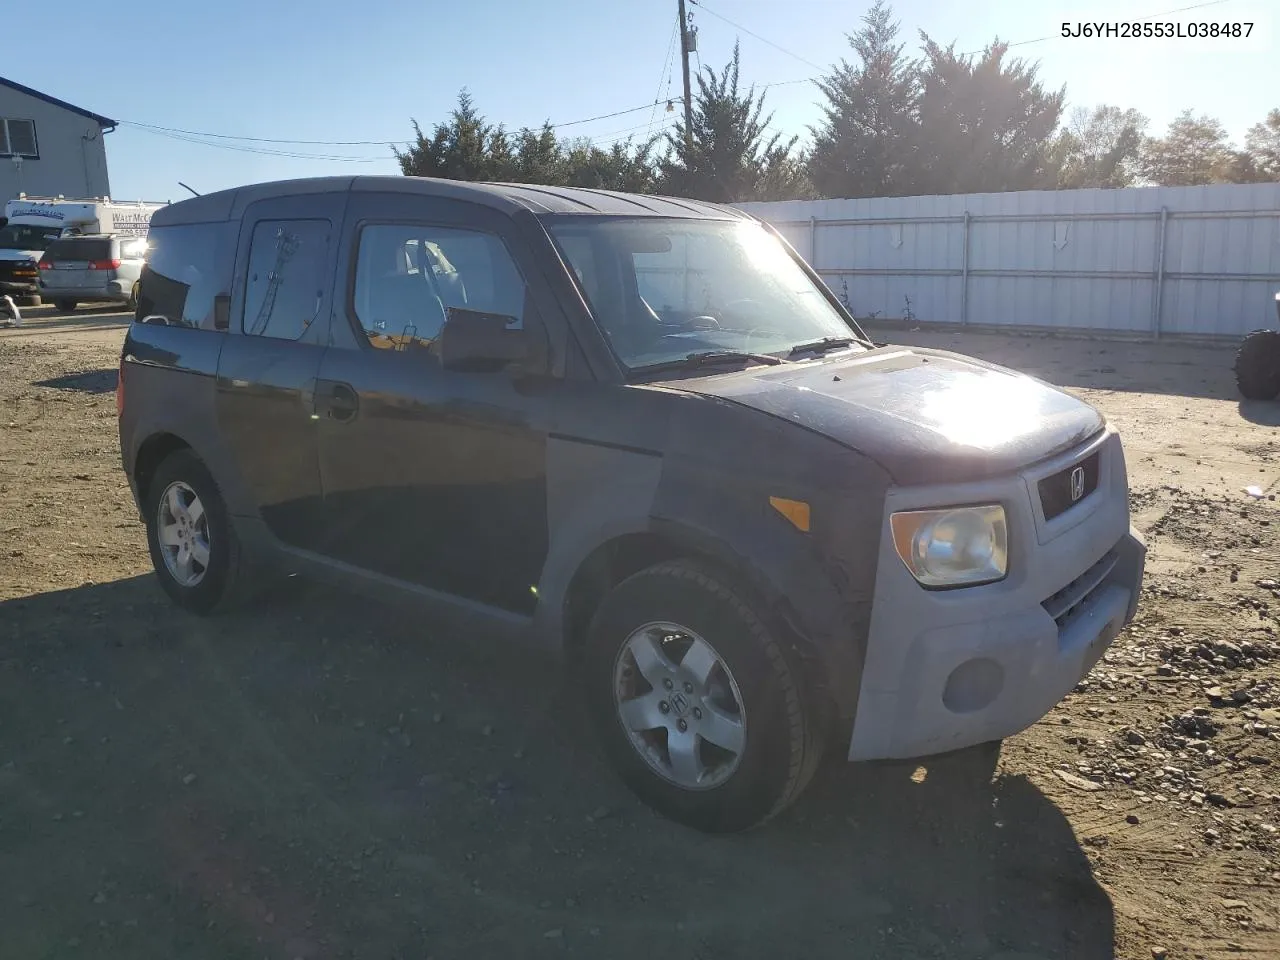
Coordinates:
102 121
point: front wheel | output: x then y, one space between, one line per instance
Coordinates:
699 708
193 545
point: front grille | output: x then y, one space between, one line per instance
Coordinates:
1067 601
1058 493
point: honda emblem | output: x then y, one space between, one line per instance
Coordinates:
1077 484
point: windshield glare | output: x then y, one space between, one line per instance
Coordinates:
21 236
663 289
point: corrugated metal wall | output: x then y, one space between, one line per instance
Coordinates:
1155 260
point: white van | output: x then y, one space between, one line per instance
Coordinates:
35 222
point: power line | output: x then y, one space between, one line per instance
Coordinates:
619 133
1139 19
262 151
1019 43
179 132
702 6
666 72
603 116
228 136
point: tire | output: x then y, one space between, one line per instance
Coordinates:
132 303
65 306
216 584
1258 365
780 733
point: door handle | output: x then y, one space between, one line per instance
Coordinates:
336 400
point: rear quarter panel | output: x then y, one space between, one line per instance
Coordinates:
169 376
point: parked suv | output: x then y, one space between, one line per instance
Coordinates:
92 267
641 433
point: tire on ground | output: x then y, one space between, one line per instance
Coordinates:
1258 365
223 584
65 306
784 733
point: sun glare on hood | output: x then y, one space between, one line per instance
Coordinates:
984 411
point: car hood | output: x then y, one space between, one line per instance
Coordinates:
926 416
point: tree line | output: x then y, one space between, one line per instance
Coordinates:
892 125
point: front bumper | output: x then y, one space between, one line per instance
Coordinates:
950 669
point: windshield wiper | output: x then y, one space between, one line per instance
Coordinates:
704 357
825 345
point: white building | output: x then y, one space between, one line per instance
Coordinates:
49 147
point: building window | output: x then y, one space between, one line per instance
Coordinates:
18 138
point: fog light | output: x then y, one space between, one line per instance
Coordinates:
973 685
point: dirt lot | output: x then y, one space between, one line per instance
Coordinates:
322 778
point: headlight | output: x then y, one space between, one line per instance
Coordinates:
957 547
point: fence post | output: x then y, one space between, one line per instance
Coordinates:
813 242
964 273
1157 296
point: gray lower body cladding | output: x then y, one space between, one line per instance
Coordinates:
950 669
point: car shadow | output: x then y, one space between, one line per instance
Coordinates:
315 775
88 381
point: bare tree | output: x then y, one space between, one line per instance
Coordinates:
1101 147
1262 144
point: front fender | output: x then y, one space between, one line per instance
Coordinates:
821 596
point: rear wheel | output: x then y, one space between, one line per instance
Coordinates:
1258 365
193 545
65 306
699 708
132 303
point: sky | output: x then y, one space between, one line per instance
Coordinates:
360 70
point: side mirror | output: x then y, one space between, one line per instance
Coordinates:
481 342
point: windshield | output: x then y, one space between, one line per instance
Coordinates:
663 289
21 236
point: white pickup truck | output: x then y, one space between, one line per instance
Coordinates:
32 223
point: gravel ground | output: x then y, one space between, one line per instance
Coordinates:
321 777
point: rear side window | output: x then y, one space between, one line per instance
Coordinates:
64 251
132 248
188 267
286 283
410 278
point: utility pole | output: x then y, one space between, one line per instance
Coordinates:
685 49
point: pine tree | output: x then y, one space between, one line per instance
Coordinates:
1193 151
622 166
467 147
986 124
730 151
865 147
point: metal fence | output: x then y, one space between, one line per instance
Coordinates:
1155 261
